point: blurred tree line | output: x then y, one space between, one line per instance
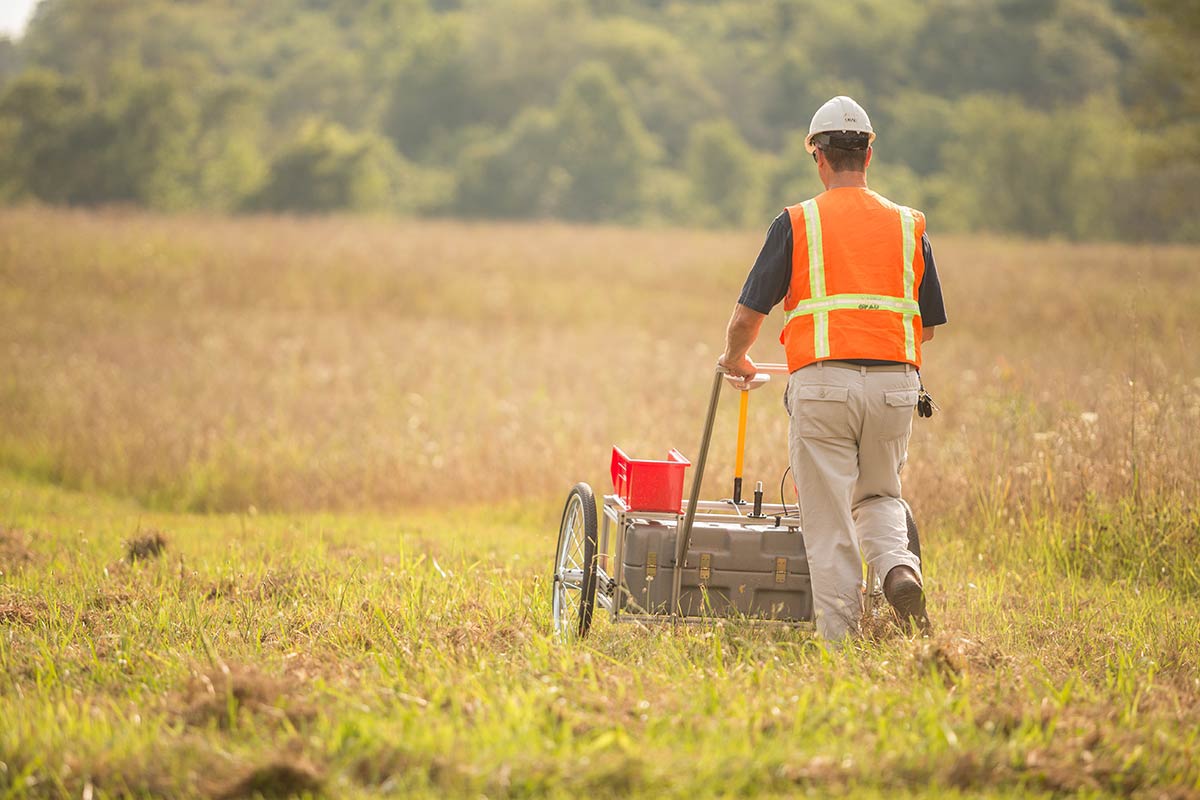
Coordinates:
1074 118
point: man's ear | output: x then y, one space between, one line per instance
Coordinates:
867 163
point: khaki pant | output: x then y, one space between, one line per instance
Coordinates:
849 439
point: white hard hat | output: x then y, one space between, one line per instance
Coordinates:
839 114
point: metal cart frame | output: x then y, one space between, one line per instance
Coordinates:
582 564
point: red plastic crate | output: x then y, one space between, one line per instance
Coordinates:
649 485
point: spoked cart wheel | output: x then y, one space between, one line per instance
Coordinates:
575 565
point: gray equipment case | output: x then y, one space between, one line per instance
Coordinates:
729 570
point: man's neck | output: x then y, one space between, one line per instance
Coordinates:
844 180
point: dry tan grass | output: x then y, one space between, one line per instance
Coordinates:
280 363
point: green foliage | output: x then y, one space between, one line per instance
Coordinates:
327 168
41 119
155 127
10 60
514 174
794 176
1075 164
1166 101
432 94
663 77
587 158
150 144
595 109
229 162
602 146
723 174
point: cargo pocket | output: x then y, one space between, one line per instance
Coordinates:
821 412
896 421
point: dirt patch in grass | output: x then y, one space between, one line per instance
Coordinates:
270 586
221 694
281 776
16 551
951 655
275 585
474 627
16 611
392 767
150 544
880 623
220 589
22 608
110 600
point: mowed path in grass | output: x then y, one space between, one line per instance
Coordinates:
340 449
356 655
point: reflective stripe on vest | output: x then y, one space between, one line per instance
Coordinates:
908 229
820 304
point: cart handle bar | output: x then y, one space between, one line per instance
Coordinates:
683 540
764 369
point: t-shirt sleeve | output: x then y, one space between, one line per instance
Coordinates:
929 297
767 283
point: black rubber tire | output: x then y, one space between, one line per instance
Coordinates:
587 599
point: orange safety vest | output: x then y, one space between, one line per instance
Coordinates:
857 262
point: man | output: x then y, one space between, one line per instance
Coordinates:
857 279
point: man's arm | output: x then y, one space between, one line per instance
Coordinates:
933 308
765 287
742 332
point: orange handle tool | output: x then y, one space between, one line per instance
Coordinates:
740 461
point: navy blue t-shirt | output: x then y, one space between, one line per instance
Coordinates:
768 281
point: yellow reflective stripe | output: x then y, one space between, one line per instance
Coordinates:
854 302
820 304
816 275
908 227
816 253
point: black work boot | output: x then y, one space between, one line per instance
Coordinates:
902 588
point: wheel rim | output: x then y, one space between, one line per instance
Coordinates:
569 572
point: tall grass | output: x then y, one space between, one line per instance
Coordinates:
216 364
390 413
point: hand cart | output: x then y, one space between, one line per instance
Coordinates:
738 558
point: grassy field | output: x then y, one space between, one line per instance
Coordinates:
278 502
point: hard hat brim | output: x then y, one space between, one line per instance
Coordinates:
811 147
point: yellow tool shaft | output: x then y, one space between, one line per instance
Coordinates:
741 439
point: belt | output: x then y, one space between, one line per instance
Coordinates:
865 368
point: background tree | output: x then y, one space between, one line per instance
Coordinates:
597 109
227 157
327 168
515 174
43 119
723 175
432 92
10 60
602 147
155 126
